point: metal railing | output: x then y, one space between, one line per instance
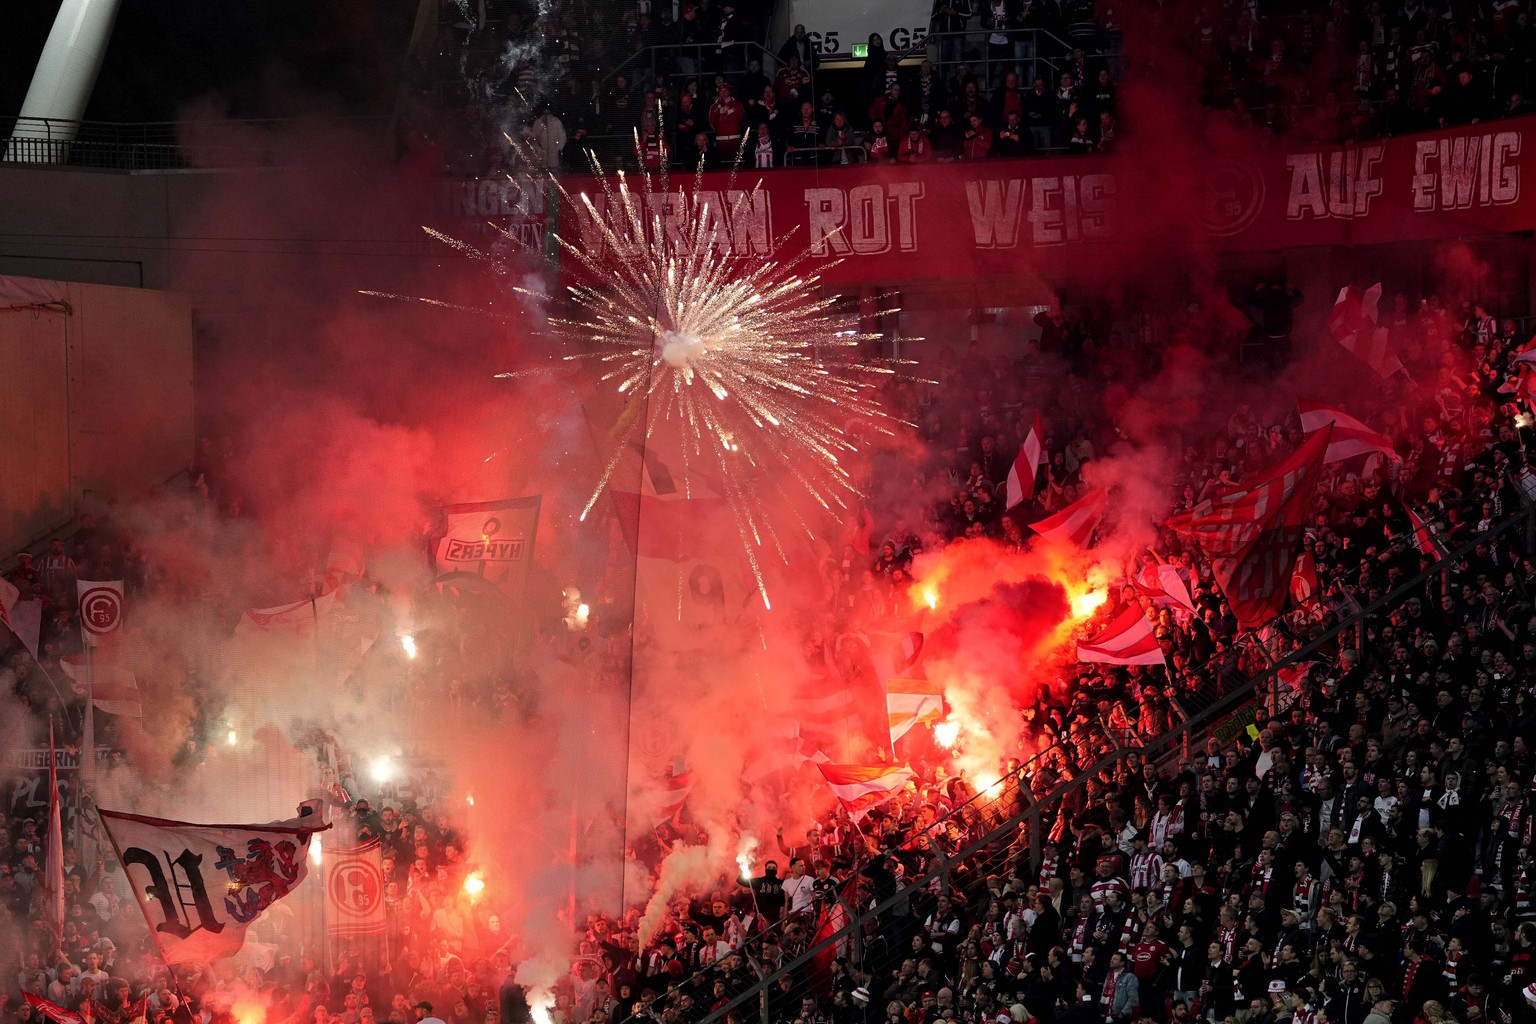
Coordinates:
173 145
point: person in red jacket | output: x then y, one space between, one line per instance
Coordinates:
727 119
978 140
915 148
890 109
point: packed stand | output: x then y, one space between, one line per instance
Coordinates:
1368 854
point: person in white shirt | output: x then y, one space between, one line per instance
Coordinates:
799 889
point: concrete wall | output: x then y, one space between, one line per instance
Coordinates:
94 403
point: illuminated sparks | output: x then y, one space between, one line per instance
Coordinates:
408 644
931 598
987 783
382 769
474 885
946 734
539 1008
1523 420
315 855
233 737
470 799
747 362
744 856
1086 603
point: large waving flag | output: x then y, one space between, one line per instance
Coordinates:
1350 436
1424 536
1075 523
201 886
354 889
1252 534
912 702
1353 323
24 618
113 688
1126 641
862 788
1164 585
1021 475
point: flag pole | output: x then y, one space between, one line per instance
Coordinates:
138 898
87 751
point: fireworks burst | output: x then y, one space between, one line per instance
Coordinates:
755 369
743 358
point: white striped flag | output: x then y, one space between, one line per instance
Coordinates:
1252 534
677 784
1076 523
1126 641
1021 475
862 788
9 595
1163 584
112 688
912 702
24 618
1424 536
1353 323
53 877
1350 436
1304 585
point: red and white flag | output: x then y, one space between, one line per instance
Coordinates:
1353 323
354 889
201 886
112 688
1304 578
53 878
1424 536
1164 585
299 618
862 788
53 1011
101 609
676 786
1252 533
912 702
1075 523
24 618
1021 475
1526 356
1350 436
1126 641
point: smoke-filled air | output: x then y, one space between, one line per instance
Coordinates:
595 598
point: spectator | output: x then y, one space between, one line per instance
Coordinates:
890 110
915 149
1082 138
977 142
1041 113
546 140
727 121
1011 139
949 21
841 140
946 138
764 150
800 50
793 83
877 144
872 76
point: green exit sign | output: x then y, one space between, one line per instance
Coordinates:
861 50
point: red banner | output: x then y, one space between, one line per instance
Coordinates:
892 223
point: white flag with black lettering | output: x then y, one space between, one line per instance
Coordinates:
201 886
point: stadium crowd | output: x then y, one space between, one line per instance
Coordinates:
1363 858
702 81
